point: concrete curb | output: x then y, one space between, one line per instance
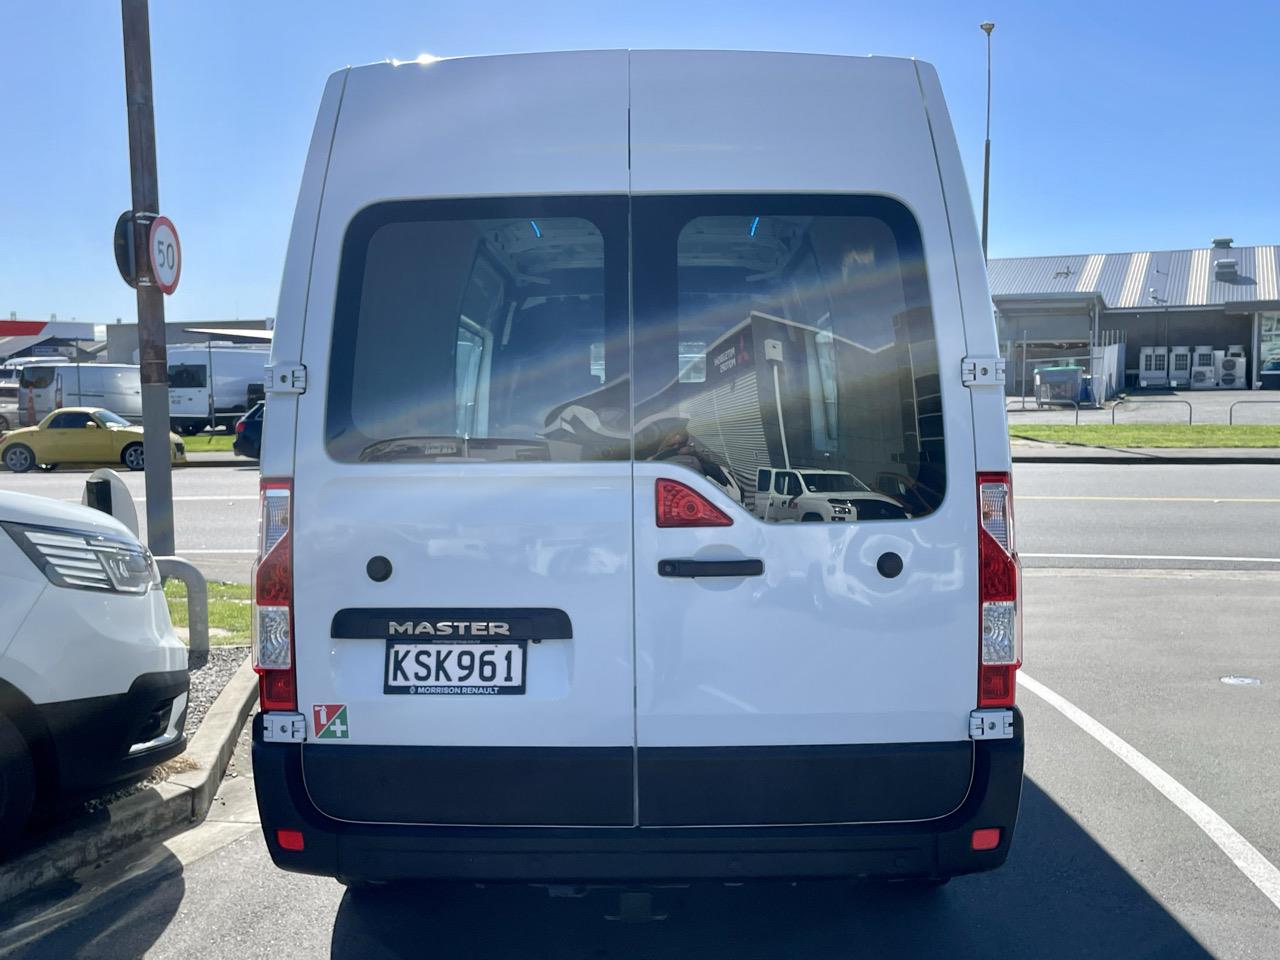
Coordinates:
181 799
1024 451
1131 458
218 460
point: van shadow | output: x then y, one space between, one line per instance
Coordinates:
124 920
1059 895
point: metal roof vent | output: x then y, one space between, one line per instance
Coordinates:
1222 243
1225 271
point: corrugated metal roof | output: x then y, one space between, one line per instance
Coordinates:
1129 281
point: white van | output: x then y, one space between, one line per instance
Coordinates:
114 386
544 318
213 385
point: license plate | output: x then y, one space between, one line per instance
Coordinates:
454 667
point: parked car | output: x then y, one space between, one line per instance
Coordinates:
248 441
8 406
512 620
811 495
93 681
79 435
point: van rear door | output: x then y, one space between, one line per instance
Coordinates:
189 392
462 520
818 666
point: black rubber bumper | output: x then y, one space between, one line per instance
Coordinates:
932 848
91 738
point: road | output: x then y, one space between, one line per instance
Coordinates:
1097 515
1138 757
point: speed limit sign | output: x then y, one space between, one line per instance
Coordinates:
166 254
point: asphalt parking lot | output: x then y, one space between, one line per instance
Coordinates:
1148 825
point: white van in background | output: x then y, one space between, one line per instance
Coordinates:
213 385
11 369
517 613
114 386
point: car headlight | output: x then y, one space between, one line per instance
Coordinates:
87 561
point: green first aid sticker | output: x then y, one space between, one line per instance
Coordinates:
329 720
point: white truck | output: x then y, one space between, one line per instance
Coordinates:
213 385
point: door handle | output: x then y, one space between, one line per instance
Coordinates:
710 568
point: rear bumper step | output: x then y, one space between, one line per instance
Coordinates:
938 847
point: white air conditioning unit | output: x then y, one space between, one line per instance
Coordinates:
1231 373
1204 372
1179 366
1235 350
1153 366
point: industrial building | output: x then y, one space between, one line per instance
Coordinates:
122 338
1206 319
52 338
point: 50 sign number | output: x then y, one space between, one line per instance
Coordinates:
166 254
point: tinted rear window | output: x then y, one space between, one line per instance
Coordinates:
793 333
187 376
38 377
725 335
468 330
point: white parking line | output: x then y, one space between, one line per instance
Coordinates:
1260 871
1022 497
191 499
1142 556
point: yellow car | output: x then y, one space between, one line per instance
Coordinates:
79 435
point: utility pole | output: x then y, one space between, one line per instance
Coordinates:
987 26
152 354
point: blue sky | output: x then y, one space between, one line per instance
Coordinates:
1115 127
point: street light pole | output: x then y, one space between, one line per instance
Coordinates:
152 355
986 26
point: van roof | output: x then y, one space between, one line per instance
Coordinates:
600 122
427 60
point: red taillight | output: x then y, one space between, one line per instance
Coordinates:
273 599
999 576
681 506
239 426
293 840
985 838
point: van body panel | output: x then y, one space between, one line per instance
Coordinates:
780 122
476 535
215 383
827 693
991 445
114 386
278 429
821 649
552 124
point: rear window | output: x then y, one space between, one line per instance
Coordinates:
482 330
38 377
726 335
187 376
815 342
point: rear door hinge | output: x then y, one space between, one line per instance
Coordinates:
982 371
286 378
991 724
283 726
